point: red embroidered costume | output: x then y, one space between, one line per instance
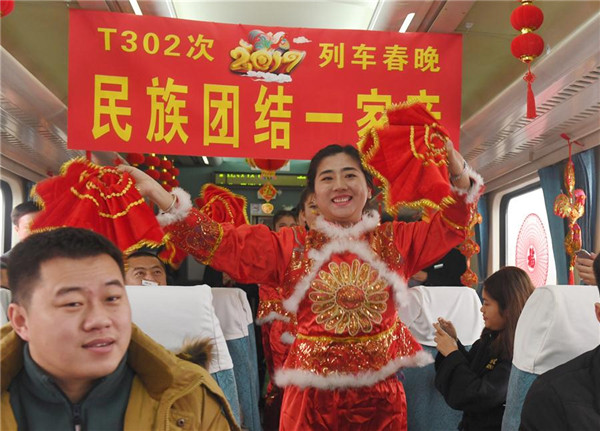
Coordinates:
344 284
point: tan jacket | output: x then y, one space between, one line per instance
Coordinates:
168 393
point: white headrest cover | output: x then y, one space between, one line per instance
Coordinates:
233 310
5 297
557 324
459 304
170 314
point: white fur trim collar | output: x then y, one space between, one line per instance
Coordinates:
271 317
304 378
475 190
369 221
179 211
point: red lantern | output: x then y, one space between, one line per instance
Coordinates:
267 166
527 17
175 171
166 164
135 159
528 45
152 161
154 174
6 7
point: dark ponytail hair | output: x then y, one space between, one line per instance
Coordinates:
509 287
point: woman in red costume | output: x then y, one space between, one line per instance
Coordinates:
344 279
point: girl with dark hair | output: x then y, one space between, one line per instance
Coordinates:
476 381
344 280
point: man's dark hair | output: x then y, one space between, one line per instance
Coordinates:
146 252
22 209
596 266
282 213
26 258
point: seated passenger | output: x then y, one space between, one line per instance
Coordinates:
476 381
144 268
568 396
72 358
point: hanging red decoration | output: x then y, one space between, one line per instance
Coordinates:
154 174
527 46
6 7
267 166
267 191
571 206
527 16
469 248
152 161
135 159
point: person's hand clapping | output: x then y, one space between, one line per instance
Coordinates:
445 343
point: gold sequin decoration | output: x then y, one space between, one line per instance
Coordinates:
344 355
348 297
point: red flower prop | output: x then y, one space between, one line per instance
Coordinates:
527 46
222 205
571 206
98 198
408 157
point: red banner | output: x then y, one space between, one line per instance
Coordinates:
160 85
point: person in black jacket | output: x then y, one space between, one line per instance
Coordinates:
476 381
568 396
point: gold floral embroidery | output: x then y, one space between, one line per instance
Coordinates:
491 364
349 297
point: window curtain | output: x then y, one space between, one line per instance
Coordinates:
551 179
586 178
482 237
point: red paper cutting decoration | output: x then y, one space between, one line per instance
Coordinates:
532 252
267 191
527 46
571 206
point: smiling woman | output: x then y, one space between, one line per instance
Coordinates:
344 279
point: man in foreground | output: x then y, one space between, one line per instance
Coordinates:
72 359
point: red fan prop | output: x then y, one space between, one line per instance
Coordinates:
101 199
408 158
222 205
532 254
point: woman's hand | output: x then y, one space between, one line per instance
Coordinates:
148 187
585 269
445 343
448 327
456 167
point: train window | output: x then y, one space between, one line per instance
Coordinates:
5 209
526 240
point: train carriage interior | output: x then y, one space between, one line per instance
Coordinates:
521 160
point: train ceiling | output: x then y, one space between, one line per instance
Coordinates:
496 138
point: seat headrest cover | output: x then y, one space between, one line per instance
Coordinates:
459 304
233 310
170 314
557 324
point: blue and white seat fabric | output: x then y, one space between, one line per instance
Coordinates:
556 325
426 408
